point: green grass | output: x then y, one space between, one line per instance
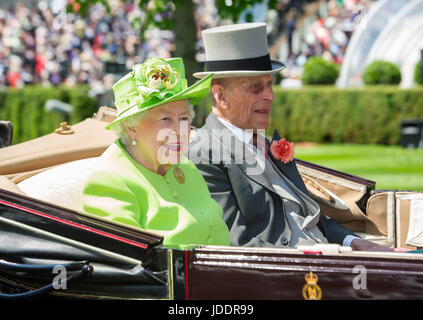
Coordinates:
391 167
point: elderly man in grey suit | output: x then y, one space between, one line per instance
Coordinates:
264 200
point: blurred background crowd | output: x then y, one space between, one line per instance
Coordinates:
39 44
322 31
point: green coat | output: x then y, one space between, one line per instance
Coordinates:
122 190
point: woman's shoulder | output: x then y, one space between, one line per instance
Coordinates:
113 165
114 159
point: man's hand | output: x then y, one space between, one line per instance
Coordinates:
365 245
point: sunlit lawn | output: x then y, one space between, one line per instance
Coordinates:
391 167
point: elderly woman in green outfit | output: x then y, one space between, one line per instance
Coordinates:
143 178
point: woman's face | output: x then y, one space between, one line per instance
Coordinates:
163 135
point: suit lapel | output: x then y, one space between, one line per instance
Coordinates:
247 163
231 146
289 169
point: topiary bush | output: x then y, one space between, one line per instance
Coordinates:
382 72
319 71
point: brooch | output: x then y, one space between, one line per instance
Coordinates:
179 175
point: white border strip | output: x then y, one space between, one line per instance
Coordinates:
398 222
416 222
411 196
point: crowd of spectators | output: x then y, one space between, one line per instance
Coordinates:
325 33
205 16
43 44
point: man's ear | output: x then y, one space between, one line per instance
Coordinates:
218 92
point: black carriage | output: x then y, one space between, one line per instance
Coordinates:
49 247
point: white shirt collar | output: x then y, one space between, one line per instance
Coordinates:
243 135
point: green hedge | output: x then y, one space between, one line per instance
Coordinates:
313 113
328 114
25 109
324 114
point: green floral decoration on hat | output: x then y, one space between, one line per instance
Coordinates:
155 78
155 82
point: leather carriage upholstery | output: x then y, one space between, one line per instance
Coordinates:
392 218
401 214
53 167
61 185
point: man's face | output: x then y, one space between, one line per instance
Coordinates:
248 101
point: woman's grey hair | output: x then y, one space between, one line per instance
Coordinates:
120 127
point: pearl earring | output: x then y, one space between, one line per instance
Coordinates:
134 142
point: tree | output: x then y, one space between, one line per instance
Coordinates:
178 15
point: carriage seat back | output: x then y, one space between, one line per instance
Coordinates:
61 185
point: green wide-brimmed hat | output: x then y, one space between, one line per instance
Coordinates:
153 83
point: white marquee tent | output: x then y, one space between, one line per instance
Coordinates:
392 30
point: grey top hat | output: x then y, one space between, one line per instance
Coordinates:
238 50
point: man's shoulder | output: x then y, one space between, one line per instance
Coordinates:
211 146
203 136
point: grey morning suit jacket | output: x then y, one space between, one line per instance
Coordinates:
253 211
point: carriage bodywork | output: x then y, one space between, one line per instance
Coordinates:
69 253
